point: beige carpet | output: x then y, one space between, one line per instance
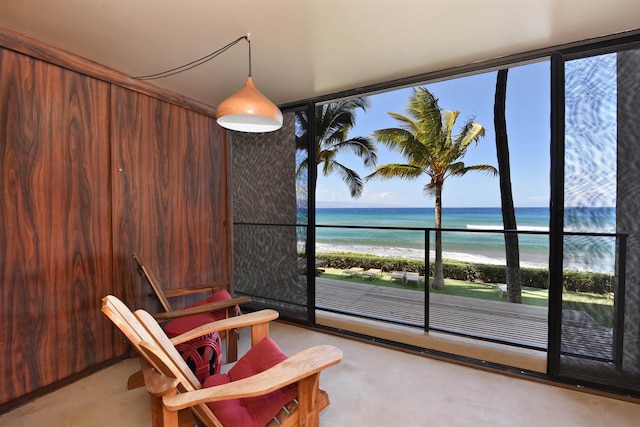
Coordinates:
373 386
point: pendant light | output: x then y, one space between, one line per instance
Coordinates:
247 110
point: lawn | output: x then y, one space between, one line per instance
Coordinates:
600 307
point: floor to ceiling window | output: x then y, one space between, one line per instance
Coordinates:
571 198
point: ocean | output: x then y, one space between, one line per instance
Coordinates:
581 253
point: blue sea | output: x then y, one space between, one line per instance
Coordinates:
581 253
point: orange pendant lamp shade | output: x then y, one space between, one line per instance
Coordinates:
249 111
246 110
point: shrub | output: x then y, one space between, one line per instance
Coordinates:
488 273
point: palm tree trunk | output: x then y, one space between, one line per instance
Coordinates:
514 283
438 273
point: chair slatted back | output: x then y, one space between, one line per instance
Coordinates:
148 338
156 357
178 368
125 321
153 281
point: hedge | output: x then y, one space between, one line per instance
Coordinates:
577 281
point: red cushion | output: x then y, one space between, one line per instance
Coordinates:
181 325
229 412
252 411
221 295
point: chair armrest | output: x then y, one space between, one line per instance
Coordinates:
156 383
203 308
252 319
209 287
297 367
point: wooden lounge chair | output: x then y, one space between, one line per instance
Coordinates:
353 271
373 273
397 275
412 277
265 379
217 306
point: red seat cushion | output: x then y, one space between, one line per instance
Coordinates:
252 411
181 325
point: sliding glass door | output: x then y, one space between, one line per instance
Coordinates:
596 175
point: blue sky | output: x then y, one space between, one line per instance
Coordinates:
528 127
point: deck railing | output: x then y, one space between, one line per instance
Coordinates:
618 292
619 260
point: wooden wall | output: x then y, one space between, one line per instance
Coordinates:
168 194
94 165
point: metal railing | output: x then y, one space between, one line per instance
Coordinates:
619 261
619 265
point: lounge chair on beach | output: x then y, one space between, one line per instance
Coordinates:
411 277
373 273
353 271
397 275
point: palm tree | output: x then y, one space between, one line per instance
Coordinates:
333 122
512 248
425 139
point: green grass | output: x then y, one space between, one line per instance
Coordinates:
598 306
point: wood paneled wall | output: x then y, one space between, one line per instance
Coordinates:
168 194
91 169
55 226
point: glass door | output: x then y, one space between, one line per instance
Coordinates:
596 296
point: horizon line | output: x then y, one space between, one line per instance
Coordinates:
351 206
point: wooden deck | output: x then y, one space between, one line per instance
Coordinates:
517 324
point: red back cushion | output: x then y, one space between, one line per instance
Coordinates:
181 325
221 295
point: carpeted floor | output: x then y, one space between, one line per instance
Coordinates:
373 386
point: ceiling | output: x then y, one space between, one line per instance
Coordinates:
303 49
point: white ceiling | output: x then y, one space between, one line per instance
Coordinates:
307 48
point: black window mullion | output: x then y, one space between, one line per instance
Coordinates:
556 214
